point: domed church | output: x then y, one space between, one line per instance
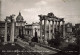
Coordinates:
19 18
20 26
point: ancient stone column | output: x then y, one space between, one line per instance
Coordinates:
56 25
45 36
49 30
12 31
63 22
59 26
5 37
41 30
53 26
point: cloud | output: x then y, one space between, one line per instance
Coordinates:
31 14
31 9
41 3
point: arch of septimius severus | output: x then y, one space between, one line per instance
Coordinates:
11 20
55 25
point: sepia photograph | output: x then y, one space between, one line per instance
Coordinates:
39 27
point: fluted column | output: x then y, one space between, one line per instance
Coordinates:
56 25
63 22
45 36
41 30
53 26
49 30
45 29
59 26
12 31
5 37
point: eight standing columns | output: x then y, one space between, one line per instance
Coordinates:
55 27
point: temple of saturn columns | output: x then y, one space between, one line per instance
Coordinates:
56 22
9 19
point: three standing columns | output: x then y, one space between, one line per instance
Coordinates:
12 31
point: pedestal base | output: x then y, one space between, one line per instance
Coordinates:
4 43
41 41
46 42
13 44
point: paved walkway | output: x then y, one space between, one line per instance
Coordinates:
37 48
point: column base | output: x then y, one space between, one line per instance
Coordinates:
13 44
64 38
41 41
4 43
53 38
46 42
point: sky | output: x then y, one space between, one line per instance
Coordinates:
30 9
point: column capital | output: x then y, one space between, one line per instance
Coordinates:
5 20
49 20
41 19
55 20
45 20
41 16
59 21
52 20
44 17
63 21
13 20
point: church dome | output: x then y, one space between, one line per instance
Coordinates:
19 17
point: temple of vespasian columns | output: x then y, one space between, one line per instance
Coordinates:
11 20
55 26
